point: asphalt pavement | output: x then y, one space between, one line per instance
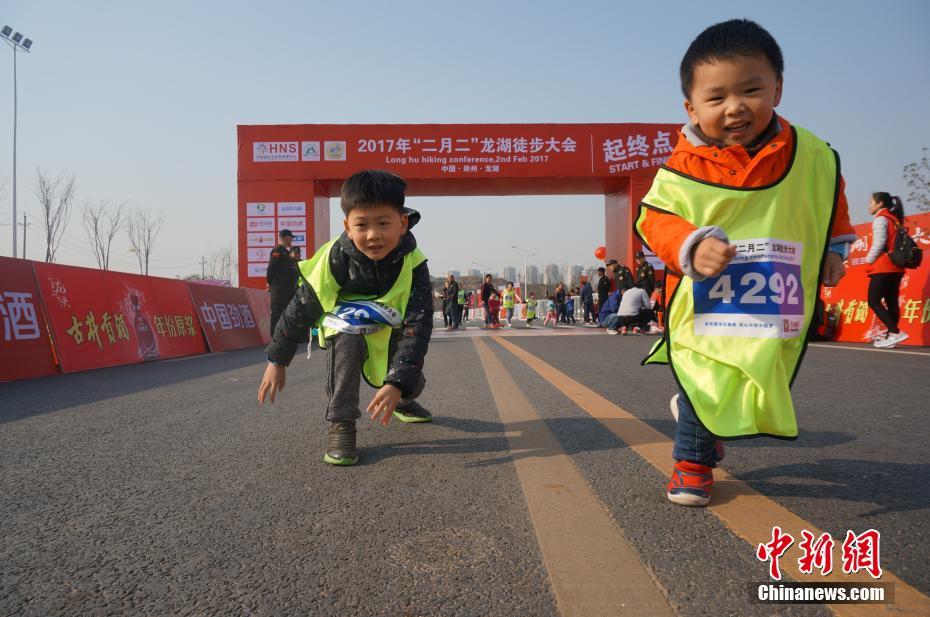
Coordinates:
164 489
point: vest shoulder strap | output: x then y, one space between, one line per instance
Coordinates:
416 257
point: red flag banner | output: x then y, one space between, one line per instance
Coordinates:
226 316
261 309
162 314
25 347
857 322
90 331
103 318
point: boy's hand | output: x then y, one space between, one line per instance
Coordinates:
384 403
833 269
272 382
712 256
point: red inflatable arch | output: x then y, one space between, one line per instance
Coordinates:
287 173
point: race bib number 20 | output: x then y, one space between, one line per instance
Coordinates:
759 295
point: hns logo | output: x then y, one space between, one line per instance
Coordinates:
274 151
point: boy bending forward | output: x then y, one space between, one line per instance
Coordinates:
750 217
369 293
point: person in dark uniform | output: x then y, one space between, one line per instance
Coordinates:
620 276
281 276
453 309
603 289
645 273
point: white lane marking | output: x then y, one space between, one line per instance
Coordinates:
911 353
476 331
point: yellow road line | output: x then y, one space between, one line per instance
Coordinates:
592 567
745 511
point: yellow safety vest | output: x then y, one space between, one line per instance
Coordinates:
735 341
509 298
316 272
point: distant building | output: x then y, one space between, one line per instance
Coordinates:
510 273
576 270
552 274
474 272
532 274
455 273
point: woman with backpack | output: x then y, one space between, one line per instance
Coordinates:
884 276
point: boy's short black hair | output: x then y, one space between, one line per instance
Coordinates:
372 187
726 40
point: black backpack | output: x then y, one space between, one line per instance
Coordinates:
905 253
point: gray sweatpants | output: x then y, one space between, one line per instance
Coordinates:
345 357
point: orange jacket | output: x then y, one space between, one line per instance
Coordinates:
884 265
732 166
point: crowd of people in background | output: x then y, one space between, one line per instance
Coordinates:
620 300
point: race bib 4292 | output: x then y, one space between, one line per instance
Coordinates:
759 295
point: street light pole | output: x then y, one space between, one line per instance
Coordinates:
526 254
14 149
25 224
17 43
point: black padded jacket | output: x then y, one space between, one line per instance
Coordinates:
357 274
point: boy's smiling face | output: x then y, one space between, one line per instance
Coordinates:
733 100
376 230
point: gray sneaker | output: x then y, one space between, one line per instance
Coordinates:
412 412
340 444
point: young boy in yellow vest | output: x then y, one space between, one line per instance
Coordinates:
369 293
750 217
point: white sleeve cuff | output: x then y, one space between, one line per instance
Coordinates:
687 249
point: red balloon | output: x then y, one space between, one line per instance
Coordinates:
600 252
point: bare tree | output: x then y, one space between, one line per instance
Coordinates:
917 177
55 198
143 227
219 264
102 223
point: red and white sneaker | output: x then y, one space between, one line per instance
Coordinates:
690 484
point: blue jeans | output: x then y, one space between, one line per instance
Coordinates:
693 442
589 314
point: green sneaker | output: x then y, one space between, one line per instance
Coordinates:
413 412
340 444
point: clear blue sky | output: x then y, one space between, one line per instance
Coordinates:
141 100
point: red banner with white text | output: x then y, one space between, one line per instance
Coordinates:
226 316
857 323
25 348
261 309
101 318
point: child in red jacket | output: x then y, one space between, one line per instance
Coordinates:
740 216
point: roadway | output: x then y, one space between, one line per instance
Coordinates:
539 490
